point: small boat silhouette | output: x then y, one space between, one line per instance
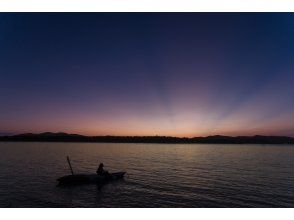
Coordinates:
77 179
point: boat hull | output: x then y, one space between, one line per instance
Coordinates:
78 179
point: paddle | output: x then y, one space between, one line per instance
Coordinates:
68 160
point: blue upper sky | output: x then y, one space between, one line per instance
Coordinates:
181 74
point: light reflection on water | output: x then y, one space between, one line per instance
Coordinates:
159 175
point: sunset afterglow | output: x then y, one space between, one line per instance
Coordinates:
147 74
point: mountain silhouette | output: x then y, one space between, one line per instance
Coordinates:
215 139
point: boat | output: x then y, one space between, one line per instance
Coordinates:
77 179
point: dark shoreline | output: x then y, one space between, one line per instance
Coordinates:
216 139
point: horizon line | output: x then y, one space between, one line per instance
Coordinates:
10 134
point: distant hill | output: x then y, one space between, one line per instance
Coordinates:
216 139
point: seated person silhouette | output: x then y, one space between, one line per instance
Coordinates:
102 172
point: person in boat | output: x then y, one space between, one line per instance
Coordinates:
102 172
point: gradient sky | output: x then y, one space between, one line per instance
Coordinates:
178 74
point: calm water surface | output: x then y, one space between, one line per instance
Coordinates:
159 175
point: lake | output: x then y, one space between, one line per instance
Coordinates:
158 175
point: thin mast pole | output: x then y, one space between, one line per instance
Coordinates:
68 160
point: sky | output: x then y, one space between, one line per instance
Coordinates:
175 74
